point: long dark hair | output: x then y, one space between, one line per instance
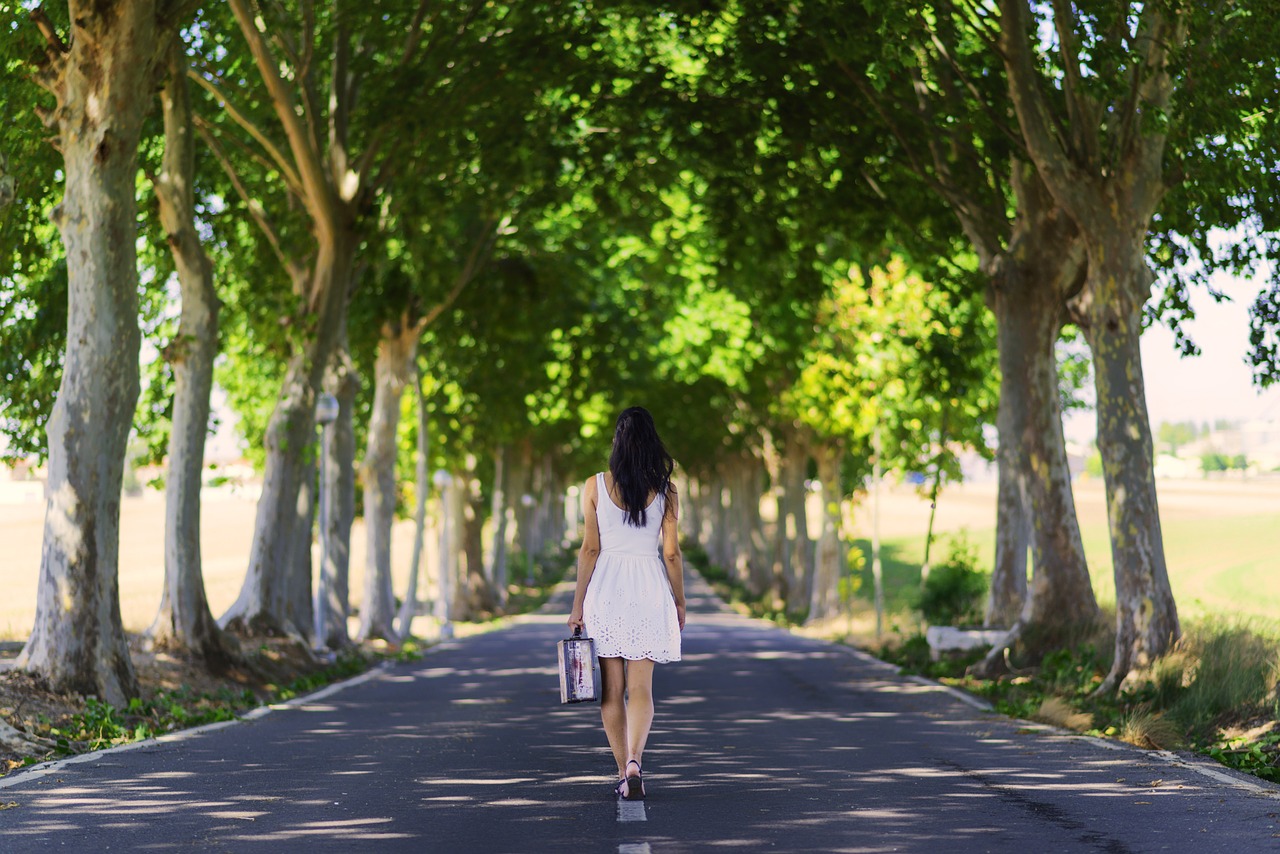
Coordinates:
639 463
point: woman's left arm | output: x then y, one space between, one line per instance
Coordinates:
671 555
588 553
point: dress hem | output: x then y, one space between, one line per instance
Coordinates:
640 658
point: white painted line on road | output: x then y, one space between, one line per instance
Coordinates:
631 811
46 768
634 848
963 696
1214 774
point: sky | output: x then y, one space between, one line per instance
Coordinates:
1216 384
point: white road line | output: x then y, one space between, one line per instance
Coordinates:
634 848
1214 774
631 811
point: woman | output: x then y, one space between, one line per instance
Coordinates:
627 603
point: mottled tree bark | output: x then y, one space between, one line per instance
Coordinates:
337 462
298 604
824 599
185 621
1013 517
104 82
1146 616
1033 279
397 349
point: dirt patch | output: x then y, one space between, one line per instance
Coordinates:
177 692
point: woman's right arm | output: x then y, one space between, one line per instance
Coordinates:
588 553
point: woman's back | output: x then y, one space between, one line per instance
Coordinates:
618 537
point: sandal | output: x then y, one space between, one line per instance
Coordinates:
635 785
620 788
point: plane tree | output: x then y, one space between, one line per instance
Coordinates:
1150 124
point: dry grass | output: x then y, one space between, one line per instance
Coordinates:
1150 731
1059 713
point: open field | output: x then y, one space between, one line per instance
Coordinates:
227 529
1222 540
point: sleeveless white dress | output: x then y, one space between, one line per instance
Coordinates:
629 610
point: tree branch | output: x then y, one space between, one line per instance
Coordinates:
1070 186
1080 112
55 52
295 271
340 105
277 159
480 250
316 193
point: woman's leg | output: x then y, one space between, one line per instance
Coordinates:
613 711
639 708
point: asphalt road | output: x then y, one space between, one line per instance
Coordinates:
763 741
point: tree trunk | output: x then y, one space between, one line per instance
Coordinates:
1040 270
185 621
421 486
337 460
1146 616
744 527
397 350
799 551
1013 514
298 603
496 569
720 534
824 600
476 599
1113 207
104 82
691 511
260 607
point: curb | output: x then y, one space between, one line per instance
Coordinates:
1190 762
34 772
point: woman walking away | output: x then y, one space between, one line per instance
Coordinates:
627 602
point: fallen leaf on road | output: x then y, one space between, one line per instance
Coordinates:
1155 783
9 805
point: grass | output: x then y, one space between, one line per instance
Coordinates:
1216 693
1217 564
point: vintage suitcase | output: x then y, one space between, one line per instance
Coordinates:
578 682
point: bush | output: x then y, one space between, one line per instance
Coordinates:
956 589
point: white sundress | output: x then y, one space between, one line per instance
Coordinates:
629 610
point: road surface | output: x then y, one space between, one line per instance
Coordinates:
763 742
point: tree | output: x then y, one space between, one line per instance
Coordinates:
1129 114
905 107
78 642
184 620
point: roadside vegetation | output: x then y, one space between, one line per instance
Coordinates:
1215 693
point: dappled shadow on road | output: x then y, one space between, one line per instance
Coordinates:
762 740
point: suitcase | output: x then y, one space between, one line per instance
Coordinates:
578 683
